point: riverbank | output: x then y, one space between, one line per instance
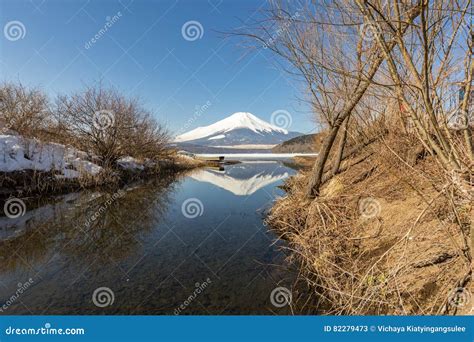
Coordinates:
385 236
202 230
30 167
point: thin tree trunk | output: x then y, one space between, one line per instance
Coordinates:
465 108
437 147
314 184
315 180
340 148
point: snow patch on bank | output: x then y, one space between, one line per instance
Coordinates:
130 163
18 153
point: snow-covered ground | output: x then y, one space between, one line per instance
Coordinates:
18 153
130 163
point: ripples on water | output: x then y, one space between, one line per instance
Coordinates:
212 255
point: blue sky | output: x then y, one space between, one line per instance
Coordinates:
144 53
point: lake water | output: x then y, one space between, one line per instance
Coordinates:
193 245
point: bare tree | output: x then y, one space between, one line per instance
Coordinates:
108 125
148 138
322 41
23 110
424 69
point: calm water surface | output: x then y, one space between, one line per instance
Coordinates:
194 245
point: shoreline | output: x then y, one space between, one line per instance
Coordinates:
371 219
32 183
257 156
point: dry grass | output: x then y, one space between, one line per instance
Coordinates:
385 237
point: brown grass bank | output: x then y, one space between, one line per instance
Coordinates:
386 236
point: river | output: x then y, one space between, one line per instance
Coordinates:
196 244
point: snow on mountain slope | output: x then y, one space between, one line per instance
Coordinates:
243 179
239 187
238 120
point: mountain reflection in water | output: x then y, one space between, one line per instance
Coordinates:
243 179
142 247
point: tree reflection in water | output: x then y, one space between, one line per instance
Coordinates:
139 244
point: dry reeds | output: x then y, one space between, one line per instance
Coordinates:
384 237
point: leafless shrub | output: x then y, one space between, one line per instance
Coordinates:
108 125
24 110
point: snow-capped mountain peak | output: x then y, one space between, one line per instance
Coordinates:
250 121
236 121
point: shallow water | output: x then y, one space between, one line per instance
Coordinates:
194 245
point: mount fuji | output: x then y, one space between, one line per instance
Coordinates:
240 130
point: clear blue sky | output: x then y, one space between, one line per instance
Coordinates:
144 53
